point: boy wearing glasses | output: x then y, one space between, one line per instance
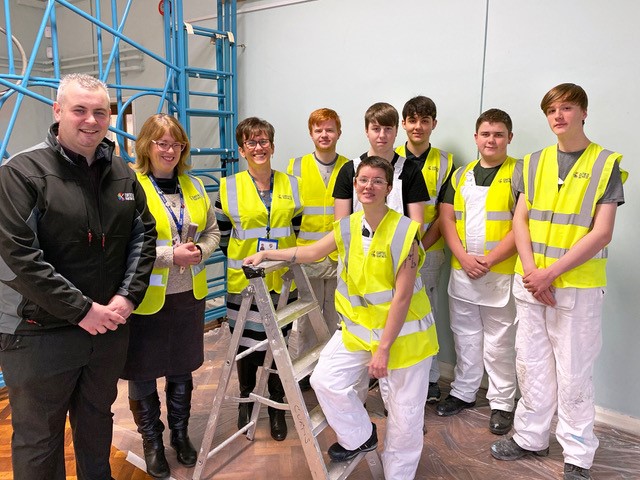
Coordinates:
318 171
475 217
419 121
563 222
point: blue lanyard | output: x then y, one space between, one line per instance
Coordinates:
266 201
160 193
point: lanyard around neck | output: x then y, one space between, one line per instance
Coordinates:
266 201
179 222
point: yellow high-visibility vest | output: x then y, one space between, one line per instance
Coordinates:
197 203
317 215
366 286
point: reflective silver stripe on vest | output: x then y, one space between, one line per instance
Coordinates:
232 263
442 170
297 167
499 216
163 243
584 217
408 328
297 204
458 214
196 269
318 210
311 235
555 252
534 161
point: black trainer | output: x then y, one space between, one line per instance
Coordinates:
500 422
573 472
338 453
452 405
508 449
433 394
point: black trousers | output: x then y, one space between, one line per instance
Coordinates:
50 374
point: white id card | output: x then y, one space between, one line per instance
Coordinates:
267 244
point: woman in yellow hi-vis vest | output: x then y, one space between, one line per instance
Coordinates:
387 327
257 210
167 328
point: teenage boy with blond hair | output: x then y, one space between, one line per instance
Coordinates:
563 223
476 219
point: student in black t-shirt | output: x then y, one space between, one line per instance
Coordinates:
409 192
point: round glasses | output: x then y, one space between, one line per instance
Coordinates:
164 146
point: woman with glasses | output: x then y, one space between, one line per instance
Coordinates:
387 328
168 326
258 209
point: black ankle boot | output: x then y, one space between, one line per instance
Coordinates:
146 414
278 424
244 414
178 413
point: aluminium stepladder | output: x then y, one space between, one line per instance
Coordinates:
308 424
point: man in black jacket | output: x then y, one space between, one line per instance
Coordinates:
77 245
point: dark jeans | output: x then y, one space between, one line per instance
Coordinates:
48 375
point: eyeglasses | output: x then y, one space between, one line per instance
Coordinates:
164 146
263 142
376 181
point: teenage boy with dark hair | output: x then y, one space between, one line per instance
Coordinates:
476 220
419 121
563 223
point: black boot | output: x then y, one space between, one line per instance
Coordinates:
247 382
244 414
178 412
276 417
146 413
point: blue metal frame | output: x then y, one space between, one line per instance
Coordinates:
175 97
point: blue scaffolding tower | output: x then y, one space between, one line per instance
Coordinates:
186 88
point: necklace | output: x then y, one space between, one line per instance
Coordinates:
263 193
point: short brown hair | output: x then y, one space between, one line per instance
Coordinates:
377 162
323 115
153 129
384 114
495 115
565 92
419 106
251 126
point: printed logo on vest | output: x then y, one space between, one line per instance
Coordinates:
285 197
583 175
378 254
126 197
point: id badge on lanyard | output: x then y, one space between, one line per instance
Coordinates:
267 244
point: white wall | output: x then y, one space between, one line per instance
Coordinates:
349 54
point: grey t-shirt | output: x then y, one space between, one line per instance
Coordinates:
614 193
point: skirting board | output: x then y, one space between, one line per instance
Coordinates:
610 418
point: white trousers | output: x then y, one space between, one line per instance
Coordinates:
556 349
404 395
430 273
484 340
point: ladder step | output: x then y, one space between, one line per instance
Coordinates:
341 470
318 420
303 366
295 310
